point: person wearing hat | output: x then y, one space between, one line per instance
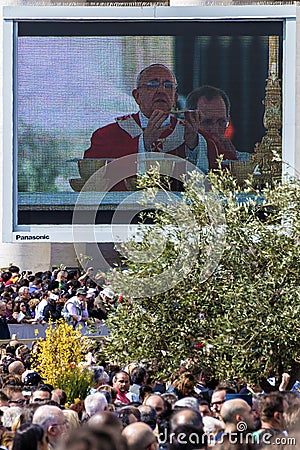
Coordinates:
101 304
52 310
75 308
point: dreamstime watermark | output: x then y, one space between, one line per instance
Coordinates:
183 226
241 436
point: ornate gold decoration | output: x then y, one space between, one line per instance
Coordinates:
268 167
271 144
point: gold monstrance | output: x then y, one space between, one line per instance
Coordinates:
264 159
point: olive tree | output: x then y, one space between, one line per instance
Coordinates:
229 295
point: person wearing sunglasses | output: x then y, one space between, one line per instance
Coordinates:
15 396
156 127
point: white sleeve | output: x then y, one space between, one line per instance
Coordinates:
198 156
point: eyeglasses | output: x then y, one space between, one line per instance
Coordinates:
221 123
17 402
154 84
217 403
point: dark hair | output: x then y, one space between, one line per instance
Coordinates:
6 276
14 269
3 397
27 437
125 412
42 387
269 404
148 415
53 284
145 390
138 375
210 93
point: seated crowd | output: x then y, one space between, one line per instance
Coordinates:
48 296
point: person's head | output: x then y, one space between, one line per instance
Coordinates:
41 394
72 418
186 416
6 276
16 368
2 309
24 293
31 378
30 437
37 282
100 376
15 270
138 375
121 381
185 384
139 436
157 402
148 415
110 390
95 403
255 412
86 438
3 399
103 420
218 398
187 402
204 408
62 396
62 276
53 422
107 295
10 416
272 407
170 398
10 304
145 390
215 105
81 294
156 89
15 396
237 411
128 415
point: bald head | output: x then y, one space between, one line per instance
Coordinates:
186 416
16 368
156 401
104 419
235 411
139 436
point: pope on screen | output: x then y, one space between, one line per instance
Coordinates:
156 127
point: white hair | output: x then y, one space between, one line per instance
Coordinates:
10 415
46 415
95 403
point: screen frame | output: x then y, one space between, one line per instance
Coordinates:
11 232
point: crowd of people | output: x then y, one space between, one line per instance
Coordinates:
45 297
127 408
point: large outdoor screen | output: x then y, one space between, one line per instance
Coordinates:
71 71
